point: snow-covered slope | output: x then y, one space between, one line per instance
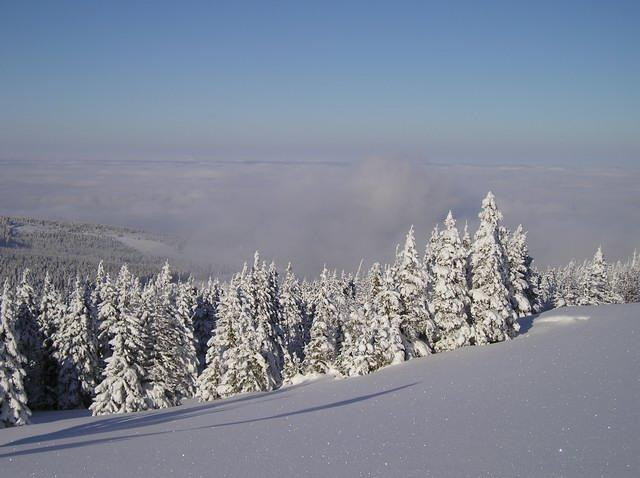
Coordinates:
561 400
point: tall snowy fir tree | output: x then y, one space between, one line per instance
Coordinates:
320 353
428 261
411 283
627 280
450 295
30 340
245 369
567 291
492 314
204 320
385 316
261 288
595 287
186 305
223 339
76 351
50 313
108 310
357 353
168 360
14 410
521 276
122 388
308 292
292 318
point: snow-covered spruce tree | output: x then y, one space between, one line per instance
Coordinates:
30 340
428 262
320 352
308 292
417 326
627 280
96 300
13 398
261 289
568 287
245 367
186 304
51 310
292 316
223 339
357 354
76 351
521 276
450 295
122 388
492 314
108 310
168 361
547 289
595 286
382 310
204 320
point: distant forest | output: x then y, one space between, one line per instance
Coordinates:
65 250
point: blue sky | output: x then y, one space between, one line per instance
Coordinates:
524 82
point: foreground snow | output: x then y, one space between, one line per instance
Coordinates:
562 399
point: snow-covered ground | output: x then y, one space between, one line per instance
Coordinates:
561 400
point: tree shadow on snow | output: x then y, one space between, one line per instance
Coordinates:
526 323
128 422
141 419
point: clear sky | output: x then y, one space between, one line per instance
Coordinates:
446 81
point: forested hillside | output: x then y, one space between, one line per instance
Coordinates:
65 249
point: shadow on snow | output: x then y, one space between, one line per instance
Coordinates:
128 422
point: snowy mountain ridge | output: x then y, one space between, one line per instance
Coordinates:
558 400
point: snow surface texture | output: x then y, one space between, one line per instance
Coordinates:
561 400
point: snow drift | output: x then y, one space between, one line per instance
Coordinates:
561 399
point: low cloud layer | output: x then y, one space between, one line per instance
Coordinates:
328 213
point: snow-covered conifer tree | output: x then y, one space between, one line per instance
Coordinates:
450 296
76 351
411 283
262 290
186 304
108 309
293 320
204 320
13 398
30 340
491 310
320 352
595 286
168 361
357 354
245 367
122 389
567 289
386 310
308 292
292 310
50 310
428 262
222 340
520 273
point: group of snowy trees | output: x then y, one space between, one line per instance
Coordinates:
119 344
591 283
